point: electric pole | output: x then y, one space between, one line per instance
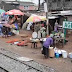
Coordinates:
46 1
39 5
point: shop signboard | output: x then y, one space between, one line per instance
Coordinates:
67 24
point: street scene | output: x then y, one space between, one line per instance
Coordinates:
35 36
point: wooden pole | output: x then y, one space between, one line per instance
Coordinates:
39 5
64 35
47 18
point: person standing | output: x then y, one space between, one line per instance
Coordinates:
46 44
42 31
29 25
56 26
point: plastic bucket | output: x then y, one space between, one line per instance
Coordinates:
64 54
60 53
70 55
56 51
57 55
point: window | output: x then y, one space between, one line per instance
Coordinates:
26 7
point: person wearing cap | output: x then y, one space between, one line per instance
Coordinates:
46 44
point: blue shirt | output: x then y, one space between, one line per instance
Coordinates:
48 42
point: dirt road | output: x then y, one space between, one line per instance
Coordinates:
60 64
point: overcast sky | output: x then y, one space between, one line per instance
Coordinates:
36 1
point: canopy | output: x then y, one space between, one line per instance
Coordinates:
14 12
52 17
43 18
2 11
35 18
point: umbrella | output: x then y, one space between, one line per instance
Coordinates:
52 17
2 11
14 12
43 18
35 18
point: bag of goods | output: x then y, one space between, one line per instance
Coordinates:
51 52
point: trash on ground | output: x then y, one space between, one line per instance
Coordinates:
24 59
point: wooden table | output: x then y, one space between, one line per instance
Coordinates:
34 43
58 40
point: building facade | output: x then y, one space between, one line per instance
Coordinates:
27 6
24 6
60 5
7 5
55 5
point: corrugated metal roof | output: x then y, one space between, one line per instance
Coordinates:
10 2
25 0
27 3
63 13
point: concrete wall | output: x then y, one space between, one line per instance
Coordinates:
69 18
7 6
60 5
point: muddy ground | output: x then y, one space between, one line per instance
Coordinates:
59 64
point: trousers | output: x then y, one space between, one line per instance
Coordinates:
46 51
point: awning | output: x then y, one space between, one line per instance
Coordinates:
52 17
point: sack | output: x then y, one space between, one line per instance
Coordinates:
51 52
15 31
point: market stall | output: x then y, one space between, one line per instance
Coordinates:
13 21
34 21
